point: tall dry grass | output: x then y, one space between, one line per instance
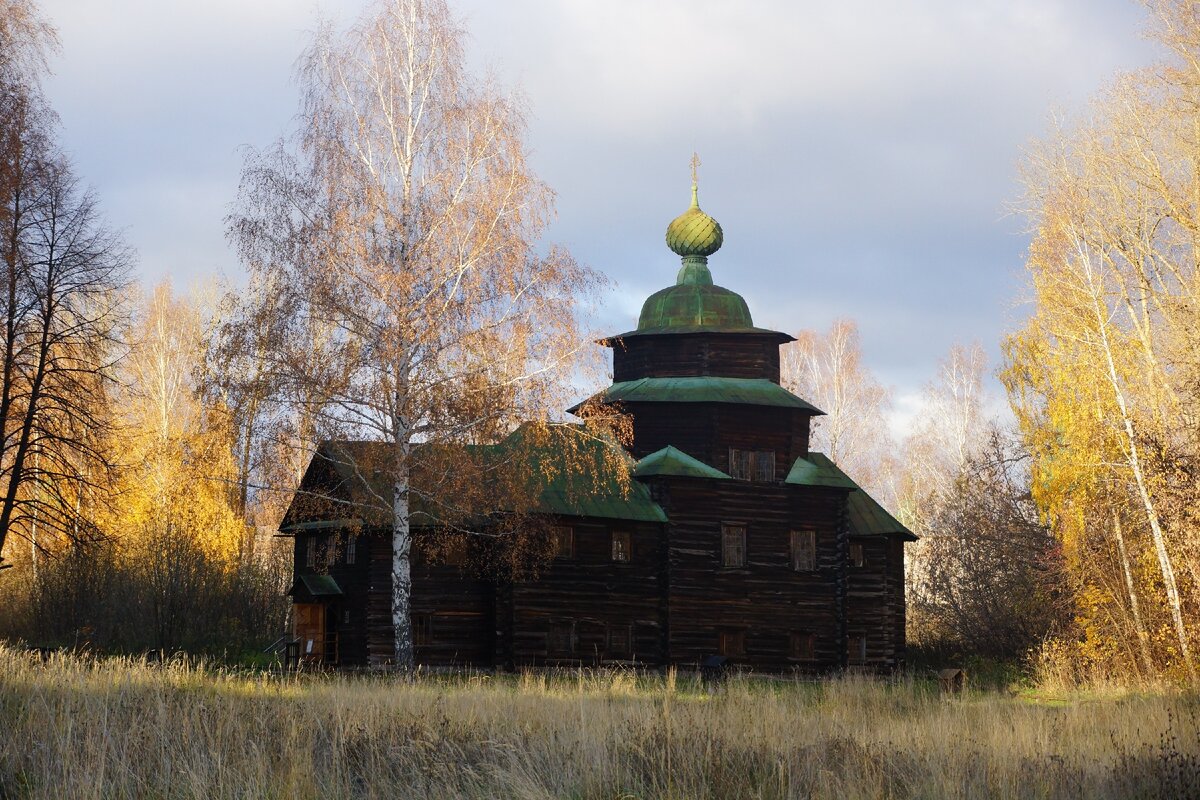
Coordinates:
117 728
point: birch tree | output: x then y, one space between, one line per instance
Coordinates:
827 369
1102 376
402 220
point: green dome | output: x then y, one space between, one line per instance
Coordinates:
688 306
694 303
694 233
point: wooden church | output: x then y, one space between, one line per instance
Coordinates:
735 541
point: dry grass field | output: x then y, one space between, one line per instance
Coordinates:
117 728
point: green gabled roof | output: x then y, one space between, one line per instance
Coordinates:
359 489
577 494
637 506
319 525
320 585
817 470
674 462
868 518
704 389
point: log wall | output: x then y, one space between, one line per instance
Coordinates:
706 431
766 599
594 596
729 355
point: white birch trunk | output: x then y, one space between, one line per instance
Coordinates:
1135 465
401 551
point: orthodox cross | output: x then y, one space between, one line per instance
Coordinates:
695 163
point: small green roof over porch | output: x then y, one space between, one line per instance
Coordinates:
676 463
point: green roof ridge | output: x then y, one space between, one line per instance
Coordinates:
869 518
818 470
673 461
704 389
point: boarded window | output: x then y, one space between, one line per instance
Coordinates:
561 640
564 541
803 645
856 646
422 628
804 551
619 640
752 465
732 643
620 546
733 545
857 559
310 557
351 549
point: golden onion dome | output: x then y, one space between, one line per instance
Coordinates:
694 233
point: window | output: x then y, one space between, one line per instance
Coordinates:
310 557
732 643
346 617
856 647
803 645
619 640
856 555
422 628
804 551
752 465
351 549
564 542
561 640
733 545
620 546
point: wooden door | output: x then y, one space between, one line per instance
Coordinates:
309 619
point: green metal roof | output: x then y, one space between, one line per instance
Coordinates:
360 490
817 470
704 389
577 495
675 462
320 524
320 585
689 305
638 506
868 518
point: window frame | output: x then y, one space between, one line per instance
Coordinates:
856 649
554 638
808 537
624 549
310 555
757 466
559 534
351 554
624 635
728 528
802 646
731 642
856 555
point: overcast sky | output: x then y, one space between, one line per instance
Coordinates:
859 155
